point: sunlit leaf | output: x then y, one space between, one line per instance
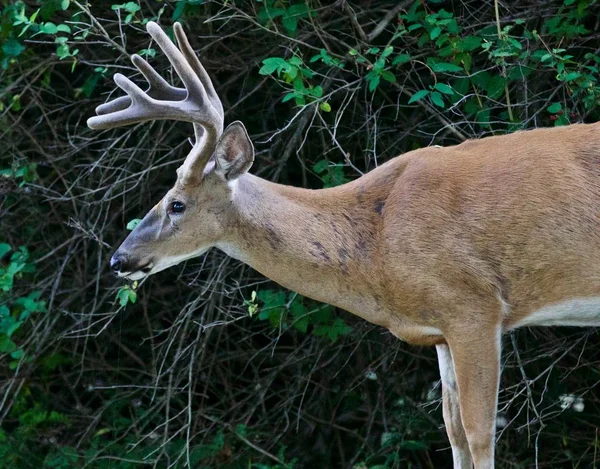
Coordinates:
133 223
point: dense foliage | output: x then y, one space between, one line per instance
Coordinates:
208 364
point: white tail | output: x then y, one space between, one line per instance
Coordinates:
442 246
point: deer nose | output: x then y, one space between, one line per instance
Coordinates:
117 262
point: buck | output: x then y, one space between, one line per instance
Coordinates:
442 246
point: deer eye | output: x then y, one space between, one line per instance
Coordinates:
176 207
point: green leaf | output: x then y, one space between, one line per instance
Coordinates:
388 76
470 43
562 120
413 445
322 314
389 438
418 96
518 72
17 354
443 88
341 327
401 59
6 345
300 10
133 223
266 13
572 76
302 324
150 52
64 4
272 298
48 28
466 60
63 51
295 60
516 43
179 10
273 64
123 296
12 48
321 166
481 79
291 74
443 13
436 98
374 82
554 108
290 23
307 72
483 117
64 28
333 331
21 254
321 330
435 32
440 67
387 51
301 318
325 107
131 7
495 86
132 296
379 65
11 325
4 249
300 100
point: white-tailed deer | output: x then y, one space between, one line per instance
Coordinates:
442 246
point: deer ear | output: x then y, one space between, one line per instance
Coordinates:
234 153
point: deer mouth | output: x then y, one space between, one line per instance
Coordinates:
138 274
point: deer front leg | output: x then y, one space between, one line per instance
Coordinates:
451 409
476 356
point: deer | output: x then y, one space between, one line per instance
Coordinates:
443 246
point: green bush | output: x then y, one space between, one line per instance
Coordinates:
209 365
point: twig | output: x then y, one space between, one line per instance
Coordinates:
506 93
352 15
390 15
115 44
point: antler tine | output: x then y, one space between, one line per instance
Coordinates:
159 88
199 69
146 107
197 103
206 138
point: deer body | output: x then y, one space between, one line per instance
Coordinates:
442 246
513 223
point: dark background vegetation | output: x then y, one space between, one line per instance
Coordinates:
177 373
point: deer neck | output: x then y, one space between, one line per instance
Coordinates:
319 243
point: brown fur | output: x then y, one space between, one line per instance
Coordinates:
469 240
512 218
447 246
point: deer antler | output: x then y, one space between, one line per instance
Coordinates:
197 103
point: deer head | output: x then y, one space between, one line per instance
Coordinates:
193 216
